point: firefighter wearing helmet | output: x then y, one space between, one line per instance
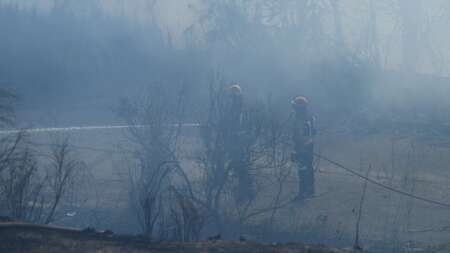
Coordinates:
236 142
303 138
235 106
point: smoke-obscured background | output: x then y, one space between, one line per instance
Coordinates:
70 61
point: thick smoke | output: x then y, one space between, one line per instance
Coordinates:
349 56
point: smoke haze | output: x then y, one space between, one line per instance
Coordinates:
85 54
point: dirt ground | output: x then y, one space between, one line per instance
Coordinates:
18 238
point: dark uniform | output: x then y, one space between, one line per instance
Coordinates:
303 138
235 139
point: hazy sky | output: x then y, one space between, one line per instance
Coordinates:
175 15
430 42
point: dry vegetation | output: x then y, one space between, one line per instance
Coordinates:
172 198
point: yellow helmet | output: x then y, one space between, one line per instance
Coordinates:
235 89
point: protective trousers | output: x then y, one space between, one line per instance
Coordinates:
306 171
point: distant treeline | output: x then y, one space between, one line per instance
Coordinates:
63 56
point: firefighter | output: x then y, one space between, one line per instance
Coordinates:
235 108
235 140
303 138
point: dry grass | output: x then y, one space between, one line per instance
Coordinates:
388 220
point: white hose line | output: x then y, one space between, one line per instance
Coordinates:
84 128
